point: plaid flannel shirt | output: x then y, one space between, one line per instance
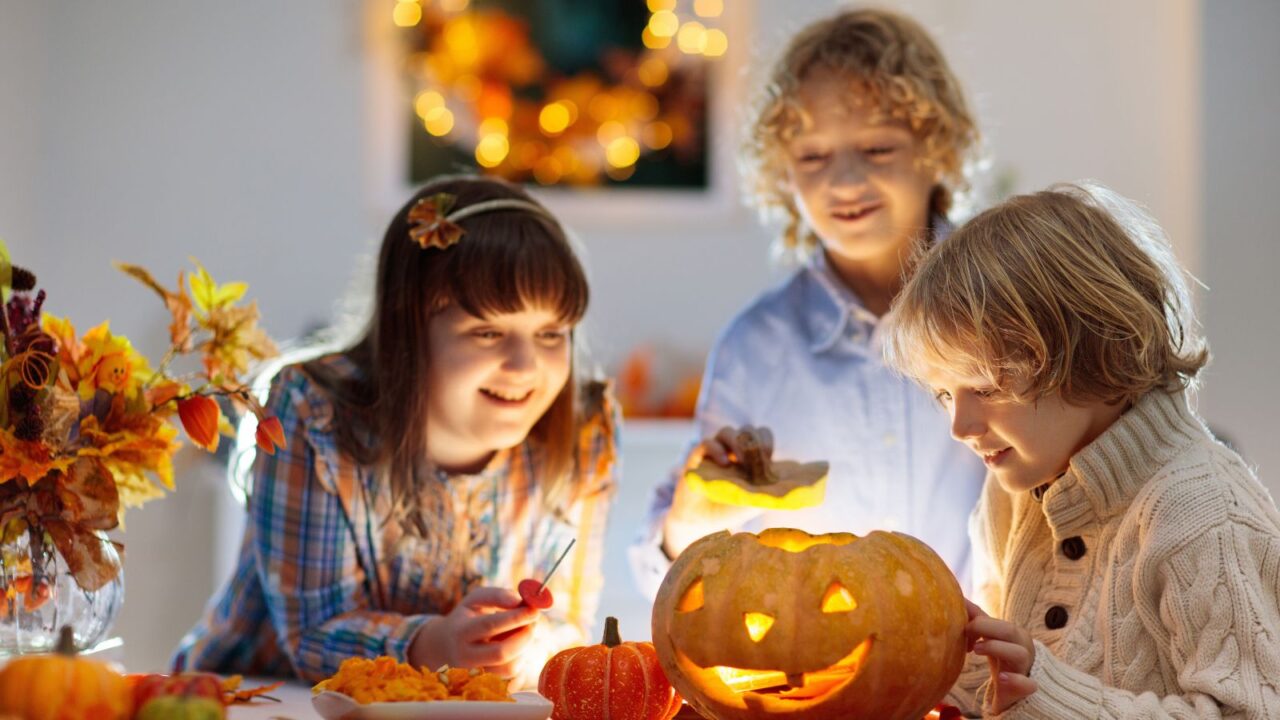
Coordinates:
322 576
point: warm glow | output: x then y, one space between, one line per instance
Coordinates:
796 541
622 152
758 625
692 38
453 6
492 126
603 107
664 23
740 681
652 72
427 101
660 5
643 105
438 122
548 170
610 131
620 173
716 43
838 599
708 8
468 87
554 118
814 684
653 42
657 135
407 14
492 150
460 38
692 598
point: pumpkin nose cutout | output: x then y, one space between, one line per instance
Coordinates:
838 599
692 598
758 625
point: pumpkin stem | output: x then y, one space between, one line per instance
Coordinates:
612 638
759 470
66 642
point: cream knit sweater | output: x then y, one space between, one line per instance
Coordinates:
1148 575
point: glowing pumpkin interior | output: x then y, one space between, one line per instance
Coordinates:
808 686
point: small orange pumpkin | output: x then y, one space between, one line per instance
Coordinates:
617 680
62 686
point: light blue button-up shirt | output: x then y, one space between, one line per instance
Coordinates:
805 360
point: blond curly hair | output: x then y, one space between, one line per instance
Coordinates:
902 73
1074 290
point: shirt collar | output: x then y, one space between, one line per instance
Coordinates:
833 311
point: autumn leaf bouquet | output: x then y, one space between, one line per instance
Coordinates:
87 422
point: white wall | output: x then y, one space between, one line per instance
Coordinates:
1241 249
235 132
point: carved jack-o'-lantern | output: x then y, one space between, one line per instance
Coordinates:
787 624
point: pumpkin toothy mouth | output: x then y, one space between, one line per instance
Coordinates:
777 684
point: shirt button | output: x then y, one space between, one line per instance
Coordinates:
890 439
890 523
1073 548
1056 617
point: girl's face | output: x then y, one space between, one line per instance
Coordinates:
491 379
856 182
1024 445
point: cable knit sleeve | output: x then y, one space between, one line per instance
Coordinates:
1215 606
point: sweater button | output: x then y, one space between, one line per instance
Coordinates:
1073 548
1056 617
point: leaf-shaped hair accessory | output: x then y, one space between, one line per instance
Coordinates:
430 226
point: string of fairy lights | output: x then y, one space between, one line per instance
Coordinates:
482 84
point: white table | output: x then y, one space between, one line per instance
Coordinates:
295 702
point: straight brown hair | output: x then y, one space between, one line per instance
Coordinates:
508 259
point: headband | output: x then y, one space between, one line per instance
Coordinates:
435 223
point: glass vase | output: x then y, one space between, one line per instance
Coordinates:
40 595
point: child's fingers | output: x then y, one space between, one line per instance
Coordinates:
486 598
1012 657
483 627
499 652
765 436
1010 688
717 446
974 610
994 628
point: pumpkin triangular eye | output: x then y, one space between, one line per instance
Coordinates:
692 598
758 624
838 599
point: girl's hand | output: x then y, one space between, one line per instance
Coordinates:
466 636
1010 653
692 514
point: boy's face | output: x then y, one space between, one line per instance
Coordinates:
1024 445
855 181
491 380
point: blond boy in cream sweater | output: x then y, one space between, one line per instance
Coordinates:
1127 563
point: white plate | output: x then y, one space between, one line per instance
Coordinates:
527 706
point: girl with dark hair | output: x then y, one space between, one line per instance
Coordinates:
446 453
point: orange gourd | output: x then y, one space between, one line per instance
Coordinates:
62 686
785 624
615 679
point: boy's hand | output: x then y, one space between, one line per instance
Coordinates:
1010 653
692 514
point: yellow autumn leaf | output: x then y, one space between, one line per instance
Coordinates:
6 271
208 295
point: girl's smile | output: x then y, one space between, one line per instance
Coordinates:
491 379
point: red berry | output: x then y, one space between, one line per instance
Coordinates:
529 593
